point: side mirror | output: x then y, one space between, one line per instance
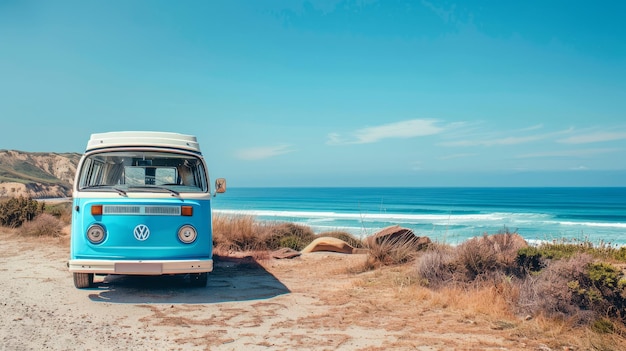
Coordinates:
220 186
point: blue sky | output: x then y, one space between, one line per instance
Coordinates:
330 93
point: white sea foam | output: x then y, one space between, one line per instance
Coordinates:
594 224
445 214
433 219
413 218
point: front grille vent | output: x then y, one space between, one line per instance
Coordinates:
121 209
163 210
141 210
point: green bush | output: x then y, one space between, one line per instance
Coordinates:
292 242
604 275
603 326
601 290
566 248
279 233
17 210
576 288
619 254
530 260
555 291
62 211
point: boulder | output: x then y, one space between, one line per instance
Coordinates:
397 234
285 252
333 245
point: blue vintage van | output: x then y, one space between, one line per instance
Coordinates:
142 205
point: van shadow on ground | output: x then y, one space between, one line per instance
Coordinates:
232 279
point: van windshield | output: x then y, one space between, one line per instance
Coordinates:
127 171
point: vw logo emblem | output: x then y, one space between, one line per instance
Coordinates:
141 232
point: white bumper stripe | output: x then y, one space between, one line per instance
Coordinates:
140 267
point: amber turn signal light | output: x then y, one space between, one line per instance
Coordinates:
186 210
96 210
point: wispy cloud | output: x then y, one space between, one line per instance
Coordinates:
263 152
446 15
403 129
535 127
494 142
455 156
416 166
595 137
494 139
569 153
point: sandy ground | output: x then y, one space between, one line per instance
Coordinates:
308 303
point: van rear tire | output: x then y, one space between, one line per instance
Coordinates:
83 280
198 280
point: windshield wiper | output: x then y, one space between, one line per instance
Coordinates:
104 186
120 191
151 187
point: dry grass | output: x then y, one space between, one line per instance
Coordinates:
490 275
484 307
391 251
236 233
241 233
484 278
548 293
43 225
482 260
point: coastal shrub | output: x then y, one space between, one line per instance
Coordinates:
551 293
488 257
529 260
566 248
17 210
619 254
476 258
275 233
506 247
43 225
62 211
292 242
436 268
602 289
563 249
576 288
391 251
603 326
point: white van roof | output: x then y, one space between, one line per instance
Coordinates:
163 139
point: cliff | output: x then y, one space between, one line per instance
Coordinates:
37 174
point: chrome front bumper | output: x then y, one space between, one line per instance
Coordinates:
140 267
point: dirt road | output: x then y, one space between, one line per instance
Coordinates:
308 303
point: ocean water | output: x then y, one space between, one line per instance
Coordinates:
448 215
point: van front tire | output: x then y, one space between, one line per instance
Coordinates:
83 280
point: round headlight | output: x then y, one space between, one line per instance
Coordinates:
187 234
96 234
